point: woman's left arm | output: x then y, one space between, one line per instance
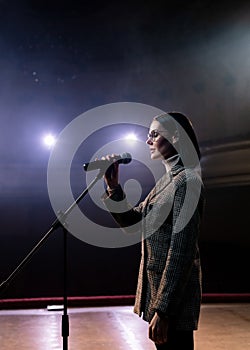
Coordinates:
183 248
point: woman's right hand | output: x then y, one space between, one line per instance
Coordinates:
111 175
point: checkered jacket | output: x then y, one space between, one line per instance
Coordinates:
169 278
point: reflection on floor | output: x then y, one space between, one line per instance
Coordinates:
222 327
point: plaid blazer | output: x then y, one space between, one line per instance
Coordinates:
169 278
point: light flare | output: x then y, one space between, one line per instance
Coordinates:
49 140
131 137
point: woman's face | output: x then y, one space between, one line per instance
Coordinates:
160 147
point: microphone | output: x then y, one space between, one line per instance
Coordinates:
123 158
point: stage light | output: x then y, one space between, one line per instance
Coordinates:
49 140
131 137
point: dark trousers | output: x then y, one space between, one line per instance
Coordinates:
178 340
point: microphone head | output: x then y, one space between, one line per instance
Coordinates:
126 158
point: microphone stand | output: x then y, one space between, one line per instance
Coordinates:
59 222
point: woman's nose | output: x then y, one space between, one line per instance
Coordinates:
149 141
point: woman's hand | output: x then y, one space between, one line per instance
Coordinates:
158 329
111 175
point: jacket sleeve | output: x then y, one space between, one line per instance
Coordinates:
182 252
127 217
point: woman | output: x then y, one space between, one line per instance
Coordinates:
169 283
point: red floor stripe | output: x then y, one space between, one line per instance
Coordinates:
118 300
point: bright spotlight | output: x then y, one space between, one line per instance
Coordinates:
49 140
131 137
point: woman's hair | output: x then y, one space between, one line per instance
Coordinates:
178 123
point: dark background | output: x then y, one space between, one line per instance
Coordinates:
61 58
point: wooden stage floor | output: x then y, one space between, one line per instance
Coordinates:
222 327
